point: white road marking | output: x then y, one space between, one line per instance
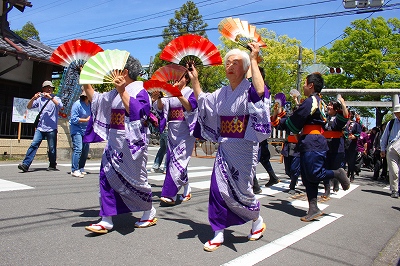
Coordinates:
304 204
341 193
279 244
10 186
200 185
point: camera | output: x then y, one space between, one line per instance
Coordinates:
41 94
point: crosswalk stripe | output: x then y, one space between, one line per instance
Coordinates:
304 204
266 251
6 185
341 193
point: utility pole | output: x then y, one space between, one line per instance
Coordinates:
299 66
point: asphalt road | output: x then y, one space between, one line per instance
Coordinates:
43 215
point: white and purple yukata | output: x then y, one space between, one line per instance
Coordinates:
123 174
181 141
238 120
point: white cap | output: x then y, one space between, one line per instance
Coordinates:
47 83
396 109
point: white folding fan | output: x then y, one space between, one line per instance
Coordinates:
103 67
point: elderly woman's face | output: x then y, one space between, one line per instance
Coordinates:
234 67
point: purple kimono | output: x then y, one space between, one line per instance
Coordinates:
238 120
180 140
123 175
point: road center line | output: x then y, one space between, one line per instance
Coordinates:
279 244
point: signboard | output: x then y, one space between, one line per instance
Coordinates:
21 113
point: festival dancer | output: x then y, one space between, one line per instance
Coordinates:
313 147
120 117
181 114
237 117
337 118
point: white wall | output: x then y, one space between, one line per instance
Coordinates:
23 73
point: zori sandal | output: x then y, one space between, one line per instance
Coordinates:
186 198
97 228
210 247
145 223
257 234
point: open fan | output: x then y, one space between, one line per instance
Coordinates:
191 48
280 99
294 93
158 85
103 67
78 51
169 73
239 31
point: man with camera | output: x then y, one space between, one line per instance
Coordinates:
48 105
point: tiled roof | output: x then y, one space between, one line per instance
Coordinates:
35 50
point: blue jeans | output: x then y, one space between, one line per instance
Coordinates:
161 151
80 151
51 147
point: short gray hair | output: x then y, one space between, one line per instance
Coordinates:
245 57
134 67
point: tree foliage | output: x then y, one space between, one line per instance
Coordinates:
369 54
28 31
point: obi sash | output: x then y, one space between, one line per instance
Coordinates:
234 126
312 129
332 134
292 139
176 113
117 119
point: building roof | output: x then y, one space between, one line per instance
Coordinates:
34 50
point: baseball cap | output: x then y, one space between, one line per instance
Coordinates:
47 83
396 109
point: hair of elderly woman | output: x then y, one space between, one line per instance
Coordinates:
134 67
245 57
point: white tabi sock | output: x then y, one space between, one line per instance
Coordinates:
186 190
106 221
149 215
257 224
218 237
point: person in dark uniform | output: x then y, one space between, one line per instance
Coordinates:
309 120
333 132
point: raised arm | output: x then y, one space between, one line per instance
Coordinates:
194 78
257 79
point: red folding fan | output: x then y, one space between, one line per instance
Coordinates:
191 48
78 51
239 31
169 73
158 85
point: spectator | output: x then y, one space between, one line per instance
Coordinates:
390 148
80 116
48 105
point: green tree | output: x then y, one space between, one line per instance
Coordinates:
369 53
28 31
186 20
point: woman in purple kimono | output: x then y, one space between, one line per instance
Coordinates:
237 117
120 117
181 114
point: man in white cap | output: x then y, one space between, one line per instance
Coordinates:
390 148
48 105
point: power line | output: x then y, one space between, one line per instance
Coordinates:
163 14
327 15
133 21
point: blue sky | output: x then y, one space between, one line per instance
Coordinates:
104 20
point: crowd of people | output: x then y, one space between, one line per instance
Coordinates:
237 116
